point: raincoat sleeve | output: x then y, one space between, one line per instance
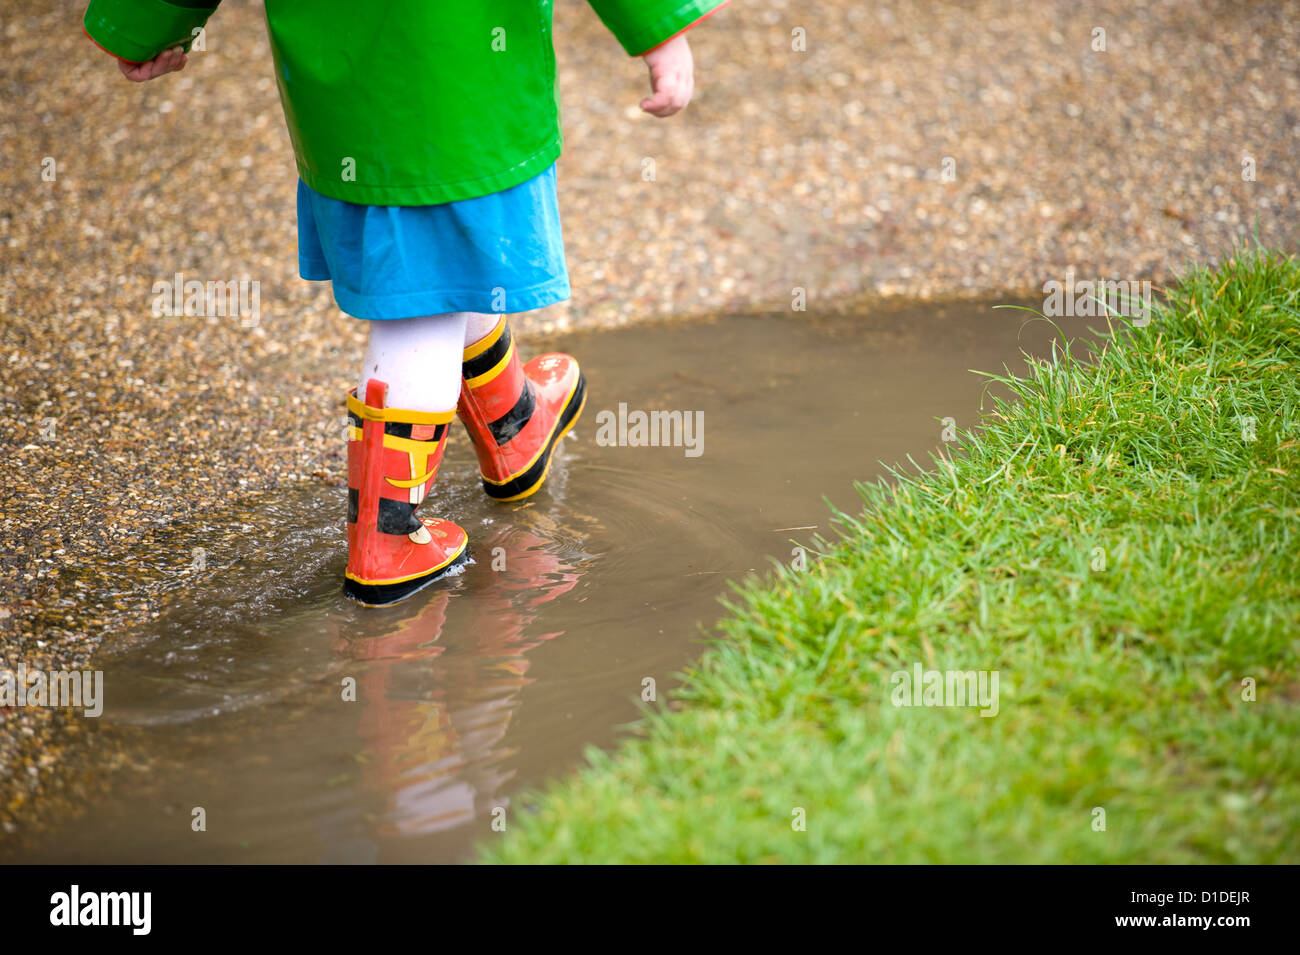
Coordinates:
642 25
138 30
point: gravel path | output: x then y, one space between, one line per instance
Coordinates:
820 168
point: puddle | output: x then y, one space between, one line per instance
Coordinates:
497 679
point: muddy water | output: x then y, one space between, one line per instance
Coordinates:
233 699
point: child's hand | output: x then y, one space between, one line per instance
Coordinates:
672 77
168 61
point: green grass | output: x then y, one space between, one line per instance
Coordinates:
1109 542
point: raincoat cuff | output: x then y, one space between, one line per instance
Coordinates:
138 30
640 26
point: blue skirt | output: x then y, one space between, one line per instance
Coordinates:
497 253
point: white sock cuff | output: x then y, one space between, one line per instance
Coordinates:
478 325
419 359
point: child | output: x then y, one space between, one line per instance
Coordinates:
426 136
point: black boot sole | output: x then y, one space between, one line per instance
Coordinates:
383 595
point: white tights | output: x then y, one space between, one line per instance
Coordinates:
420 358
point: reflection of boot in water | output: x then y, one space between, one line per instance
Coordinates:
434 713
516 413
488 681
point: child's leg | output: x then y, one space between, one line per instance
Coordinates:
478 325
406 396
419 358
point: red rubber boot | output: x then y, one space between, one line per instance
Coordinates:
393 458
516 413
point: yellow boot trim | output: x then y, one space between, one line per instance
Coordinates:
397 415
483 344
479 380
424 573
394 443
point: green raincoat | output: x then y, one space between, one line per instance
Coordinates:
405 102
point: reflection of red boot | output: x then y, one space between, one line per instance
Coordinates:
393 457
433 722
516 413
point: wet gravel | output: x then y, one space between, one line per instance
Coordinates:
131 438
